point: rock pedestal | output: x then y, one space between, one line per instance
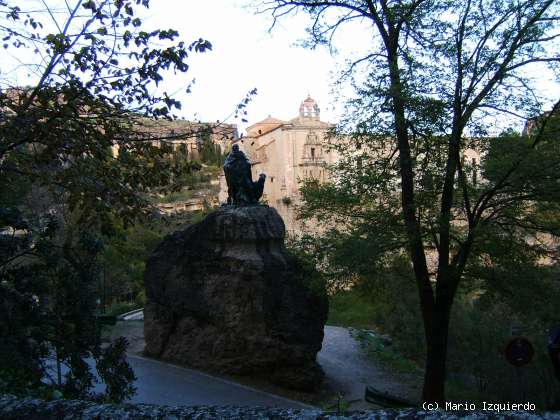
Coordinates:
224 295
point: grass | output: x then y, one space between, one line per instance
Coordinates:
351 309
377 350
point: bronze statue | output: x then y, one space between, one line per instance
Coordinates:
242 191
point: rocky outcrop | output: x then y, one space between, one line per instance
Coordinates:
225 296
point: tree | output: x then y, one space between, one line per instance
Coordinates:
437 77
74 160
209 152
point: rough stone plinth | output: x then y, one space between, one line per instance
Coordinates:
224 295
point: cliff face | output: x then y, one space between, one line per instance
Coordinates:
224 295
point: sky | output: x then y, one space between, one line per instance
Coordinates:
245 55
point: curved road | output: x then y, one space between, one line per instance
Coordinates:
347 370
162 383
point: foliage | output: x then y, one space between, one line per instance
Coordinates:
124 257
120 308
385 302
77 163
512 262
377 349
123 262
209 152
435 81
115 371
351 309
183 195
309 276
480 328
52 298
479 334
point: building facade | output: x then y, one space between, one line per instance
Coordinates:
287 152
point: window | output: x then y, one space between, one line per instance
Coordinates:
312 153
271 179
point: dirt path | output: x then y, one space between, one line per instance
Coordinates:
347 369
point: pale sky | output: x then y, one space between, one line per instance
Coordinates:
245 56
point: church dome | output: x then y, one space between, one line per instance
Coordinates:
265 126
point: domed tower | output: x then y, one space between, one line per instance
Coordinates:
309 109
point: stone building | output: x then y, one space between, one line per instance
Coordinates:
187 134
290 151
287 152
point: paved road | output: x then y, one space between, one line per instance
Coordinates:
165 384
162 383
348 370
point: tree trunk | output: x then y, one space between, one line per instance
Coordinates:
436 353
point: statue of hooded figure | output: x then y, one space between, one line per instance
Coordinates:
242 191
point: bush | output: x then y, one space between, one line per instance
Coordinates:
478 336
351 308
479 331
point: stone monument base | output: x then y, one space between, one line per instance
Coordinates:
225 296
